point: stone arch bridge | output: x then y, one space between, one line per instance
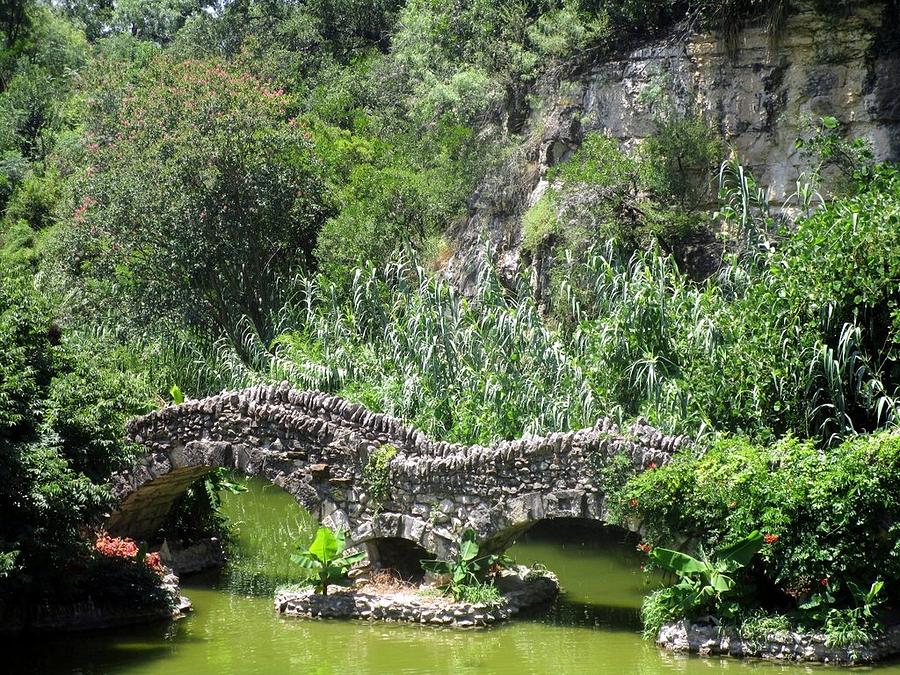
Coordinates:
317 448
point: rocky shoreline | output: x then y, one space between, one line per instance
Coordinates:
710 640
520 588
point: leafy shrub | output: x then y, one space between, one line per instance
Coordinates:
34 200
539 223
195 514
466 577
760 626
48 456
814 507
857 625
205 196
119 583
679 158
707 585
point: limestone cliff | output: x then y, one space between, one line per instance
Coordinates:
756 93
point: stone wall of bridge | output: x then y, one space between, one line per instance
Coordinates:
317 447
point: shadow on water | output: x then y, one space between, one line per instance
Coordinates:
94 652
599 569
564 612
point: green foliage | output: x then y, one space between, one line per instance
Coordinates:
200 192
62 409
539 223
325 558
177 395
376 476
195 515
856 625
34 200
470 370
814 508
796 335
205 196
465 577
654 195
483 594
156 20
825 142
760 626
678 159
704 585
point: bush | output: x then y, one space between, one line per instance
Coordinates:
205 198
815 508
59 427
539 223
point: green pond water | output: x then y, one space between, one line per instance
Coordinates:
593 627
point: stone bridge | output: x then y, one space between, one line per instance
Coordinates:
324 450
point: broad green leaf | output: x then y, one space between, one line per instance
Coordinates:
306 561
678 562
177 396
353 558
741 552
721 583
875 590
341 538
830 122
325 546
436 566
468 550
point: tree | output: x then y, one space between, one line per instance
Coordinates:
202 200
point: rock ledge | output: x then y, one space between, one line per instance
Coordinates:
709 640
519 591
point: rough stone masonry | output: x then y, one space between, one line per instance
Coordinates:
317 448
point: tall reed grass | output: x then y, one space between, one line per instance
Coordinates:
631 336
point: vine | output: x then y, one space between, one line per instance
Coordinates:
376 475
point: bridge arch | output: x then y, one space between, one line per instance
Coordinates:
319 448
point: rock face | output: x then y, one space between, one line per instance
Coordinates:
195 557
708 640
756 96
320 448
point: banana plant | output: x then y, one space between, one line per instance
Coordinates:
703 582
467 568
326 559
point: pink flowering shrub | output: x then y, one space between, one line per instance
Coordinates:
127 549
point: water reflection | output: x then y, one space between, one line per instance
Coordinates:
593 628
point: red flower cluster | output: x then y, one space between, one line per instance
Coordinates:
86 203
116 547
644 547
633 503
651 466
153 561
123 547
770 538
